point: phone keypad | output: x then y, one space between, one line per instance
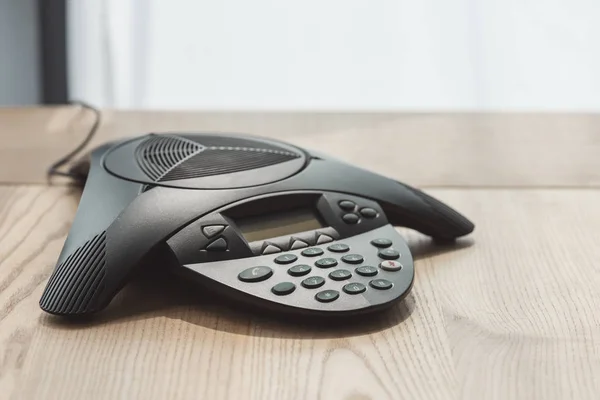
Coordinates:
364 276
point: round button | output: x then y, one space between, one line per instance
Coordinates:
350 218
299 270
340 274
327 262
390 265
388 254
367 270
313 282
381 284
283 288
327 295
354 288
312 252
353 258
338 248
381 242
368 212
347 205
255 274
286 259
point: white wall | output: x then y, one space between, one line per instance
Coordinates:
19 59
338 54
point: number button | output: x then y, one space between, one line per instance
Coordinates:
312 252
313 282
299 270
381 243
286 259
353 258
340 274
354 288
367 270
339 248
381 284
327 262
255 274
327 296
389 254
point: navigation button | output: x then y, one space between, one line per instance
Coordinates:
347 205
212 230
368 212
298 244
270 249
255 274
218 245
350 218
324 239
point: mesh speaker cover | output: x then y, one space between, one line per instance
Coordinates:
202 161
159 154
226 160
81 275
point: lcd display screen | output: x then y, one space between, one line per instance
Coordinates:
284 223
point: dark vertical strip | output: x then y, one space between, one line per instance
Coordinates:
53 51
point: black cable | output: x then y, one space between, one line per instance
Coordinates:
53 170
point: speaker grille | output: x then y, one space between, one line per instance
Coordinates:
219 161
214 141
76 280
158 154
169 158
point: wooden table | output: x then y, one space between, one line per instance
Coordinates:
513 311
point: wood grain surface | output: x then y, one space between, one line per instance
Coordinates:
511 312
426 150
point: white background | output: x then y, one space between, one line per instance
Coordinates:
337 54
19 53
